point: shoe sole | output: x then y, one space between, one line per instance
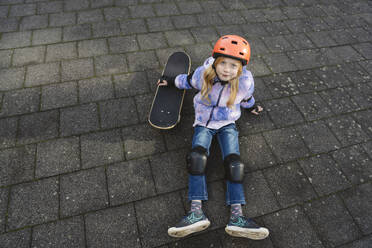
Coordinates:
187 230
256 234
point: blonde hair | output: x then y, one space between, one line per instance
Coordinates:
208 79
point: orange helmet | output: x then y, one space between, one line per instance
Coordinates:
232 46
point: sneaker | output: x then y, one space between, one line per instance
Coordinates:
246 228
192 222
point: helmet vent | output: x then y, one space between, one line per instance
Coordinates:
222 49
241 53
245 42
234 42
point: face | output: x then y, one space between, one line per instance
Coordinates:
228 68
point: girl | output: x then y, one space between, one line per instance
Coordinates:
225 85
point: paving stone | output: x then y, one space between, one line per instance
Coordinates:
318 137
80 119
255 153
88 48
332 76
291 228
142 61
306 59
232 17
333 222
249 123
126 2
65 233
59 95
312 106
9 24
144 104
175 165
209 19
260 199
29 55
17 165
141 140
16 239
361 243
185 21
355 163
281 85
77 32
257 46
57 157
61 51
15 39
283 112
151 41
8 131
77 69
115 227
230 29
71 5
210 239
179 38
130 84
347 130
90 16
258 67
115 13
324 174
42 74
181 135
347 53
117 113
339 100
101 148
365 49
279 63
100 3
160 24
361 94
11 78
152 232
166 9
307 81
199 52
3 208
133 26
95 89
254 15
364 119
358 201
50 7
261 92
276 28
192 7
277 44
360 35
83 191
141 11
110 64
236 5
20 101
293 12
106 29
130 181
37 127
33 203
46 36
62 19
355 73
4 11
5 58
289 184
34 22
123 44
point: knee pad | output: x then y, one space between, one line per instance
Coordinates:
234 168
197 161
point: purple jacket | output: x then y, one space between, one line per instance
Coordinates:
216 114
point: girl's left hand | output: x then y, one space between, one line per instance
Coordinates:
257 110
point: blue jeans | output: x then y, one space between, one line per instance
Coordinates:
227 137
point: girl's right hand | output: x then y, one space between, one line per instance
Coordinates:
162 83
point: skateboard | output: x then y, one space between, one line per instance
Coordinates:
165 110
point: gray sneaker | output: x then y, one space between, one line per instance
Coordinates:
246 228
191 223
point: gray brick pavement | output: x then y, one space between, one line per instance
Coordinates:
80 166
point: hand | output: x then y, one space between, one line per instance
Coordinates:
257 110
162 83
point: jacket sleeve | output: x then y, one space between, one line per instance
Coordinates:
248 101
192 81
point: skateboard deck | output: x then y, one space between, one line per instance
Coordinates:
166 107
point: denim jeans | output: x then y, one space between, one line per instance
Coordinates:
227 137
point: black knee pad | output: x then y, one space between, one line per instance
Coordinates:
197 161
234 168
